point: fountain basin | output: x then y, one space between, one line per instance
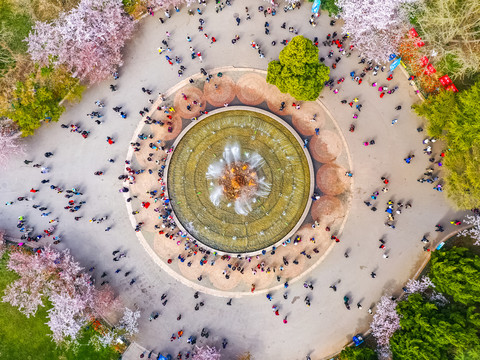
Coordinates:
286 168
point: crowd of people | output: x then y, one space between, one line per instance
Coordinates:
334 49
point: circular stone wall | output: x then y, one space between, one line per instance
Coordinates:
286 168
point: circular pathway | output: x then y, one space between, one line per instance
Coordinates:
207 269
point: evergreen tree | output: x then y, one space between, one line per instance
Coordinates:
358 353
429 331
298 71
456 272
455 119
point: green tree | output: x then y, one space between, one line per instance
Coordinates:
298 71
37 99
456 272
433 109
32 105
330 6
455 119
358 353
429 331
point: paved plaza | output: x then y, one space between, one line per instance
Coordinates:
248 323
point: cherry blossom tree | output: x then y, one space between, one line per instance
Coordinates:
88 39
425 286
67 316
103 339
375 26
419 286
206 353
438 299
36 281
57 276
10 143
129 321
385 322
474 230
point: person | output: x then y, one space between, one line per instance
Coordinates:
409 158
373 275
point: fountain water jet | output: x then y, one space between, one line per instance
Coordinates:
237 179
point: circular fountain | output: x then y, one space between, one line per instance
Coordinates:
239 180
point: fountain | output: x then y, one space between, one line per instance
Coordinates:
237 179
247 170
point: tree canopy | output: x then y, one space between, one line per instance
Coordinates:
376 26
298 71
37 99
87 40
358 353
451 29
436 332
456 272
330 6
455 118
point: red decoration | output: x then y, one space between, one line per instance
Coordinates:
424 61
419 42
452 88
430 70
445 80
413 33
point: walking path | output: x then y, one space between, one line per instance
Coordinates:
249 323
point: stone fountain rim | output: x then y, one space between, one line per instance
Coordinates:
306 210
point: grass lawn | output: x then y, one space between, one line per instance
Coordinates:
23 338
14 27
